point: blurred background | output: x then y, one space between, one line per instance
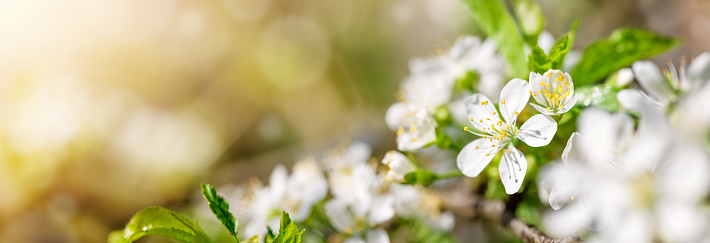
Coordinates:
107 107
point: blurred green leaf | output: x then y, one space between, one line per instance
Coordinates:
530 17
467 82
442 140
288 233
253 239
620 49
421 177
563 46
159 221
220 208
497 23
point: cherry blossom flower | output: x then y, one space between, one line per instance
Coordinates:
499 134
553 91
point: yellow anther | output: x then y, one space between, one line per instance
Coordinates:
534 94
539 91
400 130
487 154
488 119
547 91
484 136
494 113
530 91
518 131
480 120
542 83
470 118
493 145
490 139
548 74
516 112
502 101
567 83
465 129
547 85
572 198
548 108
483 102
476 147
412 129
414 139
506 127
509 151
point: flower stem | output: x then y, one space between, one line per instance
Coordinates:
450 174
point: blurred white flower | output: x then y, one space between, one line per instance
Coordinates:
417 203
626 186
414 126
663 88
467 54
500 134
399 166
553 91
296 195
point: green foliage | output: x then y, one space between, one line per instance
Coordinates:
601 95
539 62
620 49
530 17
467 82
563 46
288 233
220 208
159 221
497 23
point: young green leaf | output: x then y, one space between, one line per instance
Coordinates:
288 233
620 49
563 45
159 221
220 208
539 62
497 23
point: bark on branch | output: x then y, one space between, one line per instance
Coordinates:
495 211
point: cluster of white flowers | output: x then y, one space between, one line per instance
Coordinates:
354 196
644 183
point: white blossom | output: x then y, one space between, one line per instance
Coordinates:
418 203
415 127
499 134
553 91
399 166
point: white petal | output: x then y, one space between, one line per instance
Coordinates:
632 100
396 115
475 156
601 133
490 83
481 112
382 209
698 72
512 169
428 91
652 80
688 169
535 80
445 221
514 97
542 110
429 66
377 236
465 48
279 181
572 153
358 151
538 130
340 217
624 77
568 105
569 221
681 222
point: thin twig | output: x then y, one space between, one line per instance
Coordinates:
475 206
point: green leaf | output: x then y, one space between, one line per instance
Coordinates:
220 208
253 239
288 233
620 49
538 61
421 177
159 221
497 23
530 17
562 47
601 95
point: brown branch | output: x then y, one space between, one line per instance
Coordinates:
495 211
